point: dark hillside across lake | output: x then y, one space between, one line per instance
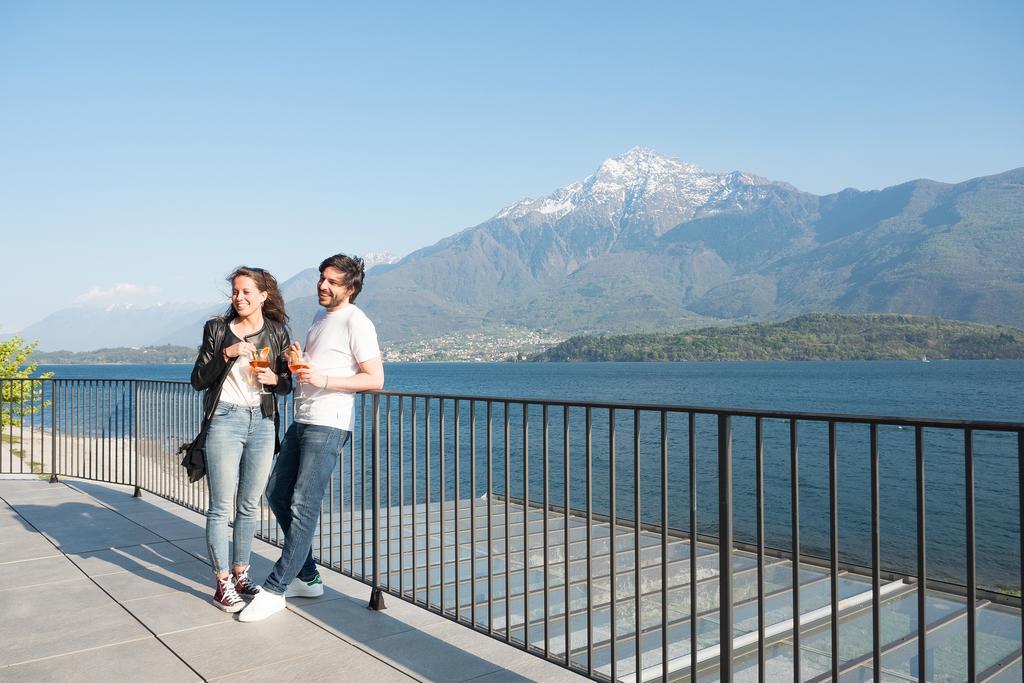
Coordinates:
814 336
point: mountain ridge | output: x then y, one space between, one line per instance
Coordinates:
647 242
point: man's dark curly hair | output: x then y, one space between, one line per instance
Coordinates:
353 268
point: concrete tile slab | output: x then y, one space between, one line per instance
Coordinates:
81 527
193 576
17 528
424 655
506 676
130 558
341 662
121 662
349 618
44 571
177 529
194 546
25 547
102 540
224 649
408 648
177 611
10 517
31 626
37 493
44 498
146 515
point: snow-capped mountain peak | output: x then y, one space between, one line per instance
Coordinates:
643 186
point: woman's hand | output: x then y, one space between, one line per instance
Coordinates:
242 348
267 377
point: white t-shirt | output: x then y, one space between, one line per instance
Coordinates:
237 387
337 342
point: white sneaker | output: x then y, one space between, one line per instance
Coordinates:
298 588
263 605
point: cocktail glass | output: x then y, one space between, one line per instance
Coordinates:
258 362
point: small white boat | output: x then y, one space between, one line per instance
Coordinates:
924 359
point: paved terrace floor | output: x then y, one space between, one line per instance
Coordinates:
98 585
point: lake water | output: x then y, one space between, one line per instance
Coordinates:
976 390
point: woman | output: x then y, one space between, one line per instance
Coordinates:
242 421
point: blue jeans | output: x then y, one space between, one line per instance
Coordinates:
309 454
239 454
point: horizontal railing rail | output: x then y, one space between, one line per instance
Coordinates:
627 541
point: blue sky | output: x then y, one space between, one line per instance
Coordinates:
146 149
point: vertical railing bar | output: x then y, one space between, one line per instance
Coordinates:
401 497
692 439
111 429
490 518
99 436
71 408
96 434
664 546
441 485
159 441
794 460
547 505
21 425
759 484
362 481
725 544
104 427
137 419
387 487
90 429
526 525
567 506
922 537
637 610
508 530
92 435
472 512
972 597
876 559
351 503
330 510
833 496
53 432
415 553
87 407
458 548
588 436
426 480
612 524
376 597
1020 510
32 424
81 463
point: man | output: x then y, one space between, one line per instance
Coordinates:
344 358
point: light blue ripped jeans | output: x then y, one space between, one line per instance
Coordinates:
239 454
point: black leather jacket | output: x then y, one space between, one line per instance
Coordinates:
210 369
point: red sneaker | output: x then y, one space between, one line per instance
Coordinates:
244 586
226 597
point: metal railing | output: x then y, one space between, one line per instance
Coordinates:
628 541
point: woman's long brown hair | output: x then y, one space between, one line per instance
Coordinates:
273 307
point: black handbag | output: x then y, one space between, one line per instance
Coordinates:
194 460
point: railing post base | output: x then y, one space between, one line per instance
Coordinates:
137 493
376 600
53 478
